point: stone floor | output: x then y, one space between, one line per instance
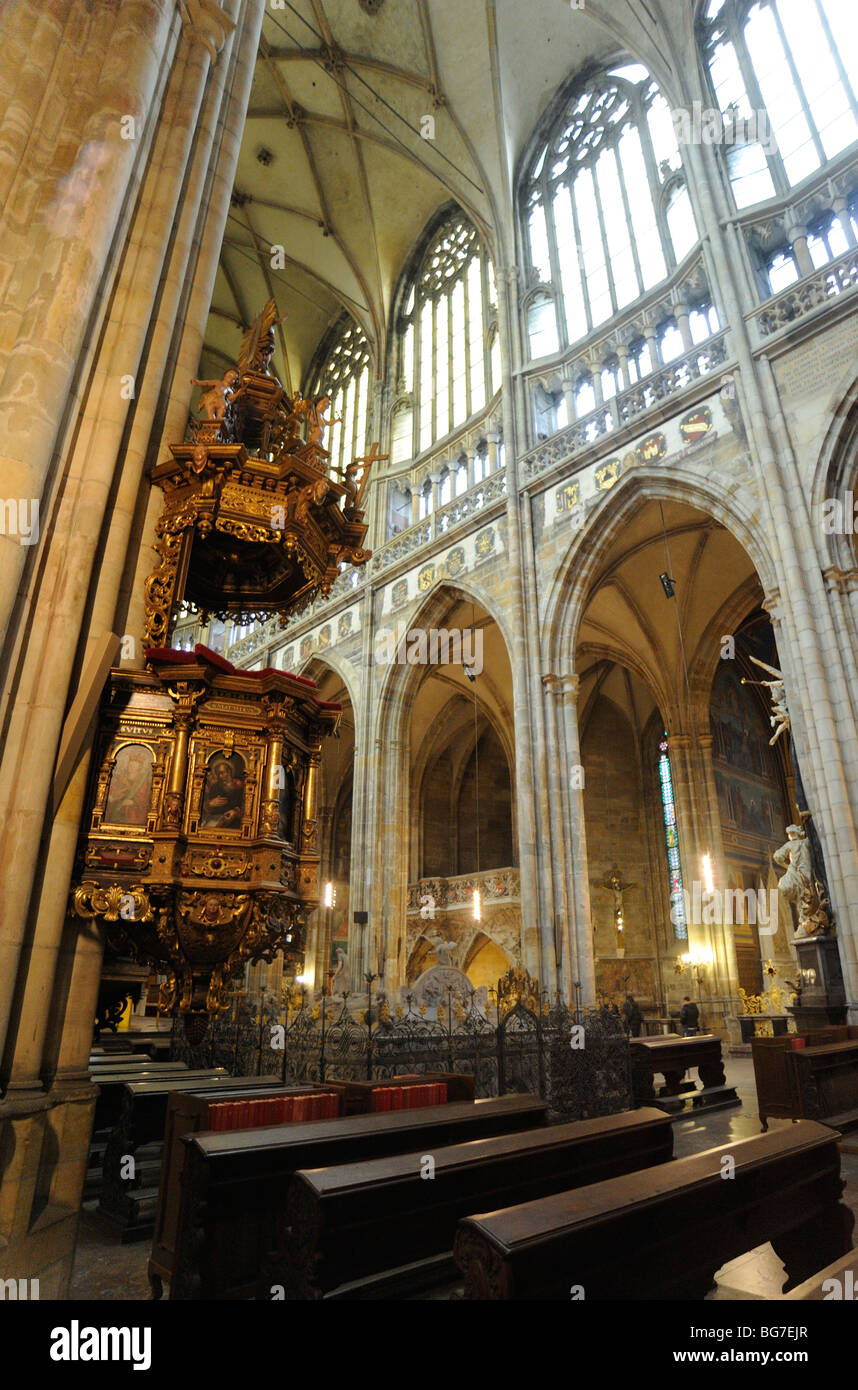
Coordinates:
104 1269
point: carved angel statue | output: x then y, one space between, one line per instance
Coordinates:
217 395
444 950
314 411
356 475
779 718
257 347
799 885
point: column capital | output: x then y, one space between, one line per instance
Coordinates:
206 22
772 605
840 581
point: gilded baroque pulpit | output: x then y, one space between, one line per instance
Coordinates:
200 848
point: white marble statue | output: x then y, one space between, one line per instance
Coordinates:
798 885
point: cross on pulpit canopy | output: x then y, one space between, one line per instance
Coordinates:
351 474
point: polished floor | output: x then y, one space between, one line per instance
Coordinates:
105 1269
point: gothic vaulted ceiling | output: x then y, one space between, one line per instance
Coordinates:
335 167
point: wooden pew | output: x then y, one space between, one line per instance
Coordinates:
129 1203
664 1233
838 1281
112 1084
188 1113
235 1185
673 1057
347 1223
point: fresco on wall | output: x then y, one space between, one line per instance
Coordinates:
746 769
617 978
752 809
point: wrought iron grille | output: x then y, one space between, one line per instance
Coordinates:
578 1060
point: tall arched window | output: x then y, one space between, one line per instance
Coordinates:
785 77
344 375
447 369
606 210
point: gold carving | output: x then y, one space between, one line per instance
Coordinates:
216 864
113 902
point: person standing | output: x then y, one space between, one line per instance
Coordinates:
689 1017
632 1016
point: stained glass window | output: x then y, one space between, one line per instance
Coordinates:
677 899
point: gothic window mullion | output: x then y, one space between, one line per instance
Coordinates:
799 87
433 341
451 407
467 302
554 258
489 385
585 289
629 221
755 97
416 376
654 180
604 235
834 49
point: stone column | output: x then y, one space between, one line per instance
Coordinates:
58 278
138 295
436 490
797 236
471 466
680 311
576 959
841 209
492 438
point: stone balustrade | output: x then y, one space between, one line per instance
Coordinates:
662 384
838 277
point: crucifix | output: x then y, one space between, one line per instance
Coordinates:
613 883
363 465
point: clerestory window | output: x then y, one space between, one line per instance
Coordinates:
344 376
606 210
784 74
447 349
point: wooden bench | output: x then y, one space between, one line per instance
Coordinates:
235 1186
129 1203
837 1281
112 1085
188 1112
673 1057
347 1223
816 1081
664 1233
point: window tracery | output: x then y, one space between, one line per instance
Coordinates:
448 353
606 209
784 74
344 375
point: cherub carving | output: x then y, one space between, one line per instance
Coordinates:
314 411
217 395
